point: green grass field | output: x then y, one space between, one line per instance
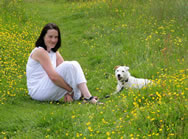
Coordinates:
149 36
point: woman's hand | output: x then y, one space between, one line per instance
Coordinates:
68 98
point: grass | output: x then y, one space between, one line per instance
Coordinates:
148 36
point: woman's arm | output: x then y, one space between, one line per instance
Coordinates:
59 59
42 57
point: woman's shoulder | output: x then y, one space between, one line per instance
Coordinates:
39 50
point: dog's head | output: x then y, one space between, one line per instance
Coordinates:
122 73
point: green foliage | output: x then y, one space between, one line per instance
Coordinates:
12 11
149 36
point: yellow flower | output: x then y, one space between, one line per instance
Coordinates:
104 121
3 132
90 129
73 116
108 133
172 30
88 123
131 135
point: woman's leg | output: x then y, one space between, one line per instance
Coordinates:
85 92
73 74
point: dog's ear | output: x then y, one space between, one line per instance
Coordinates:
126 68
116 67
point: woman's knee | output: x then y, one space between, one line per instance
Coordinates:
69 66
75 64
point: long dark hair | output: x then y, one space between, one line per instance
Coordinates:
40 41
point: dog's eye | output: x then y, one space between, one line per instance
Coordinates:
123 71
117 70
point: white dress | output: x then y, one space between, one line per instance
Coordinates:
40 86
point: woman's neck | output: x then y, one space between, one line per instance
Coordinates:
48 50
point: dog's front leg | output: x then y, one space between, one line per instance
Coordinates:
118 89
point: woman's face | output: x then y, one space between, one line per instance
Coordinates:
51 39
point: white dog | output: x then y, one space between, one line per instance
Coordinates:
125 80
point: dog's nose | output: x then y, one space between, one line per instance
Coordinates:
118 75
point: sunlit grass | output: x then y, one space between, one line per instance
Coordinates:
100 34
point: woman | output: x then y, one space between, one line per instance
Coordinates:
49 77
